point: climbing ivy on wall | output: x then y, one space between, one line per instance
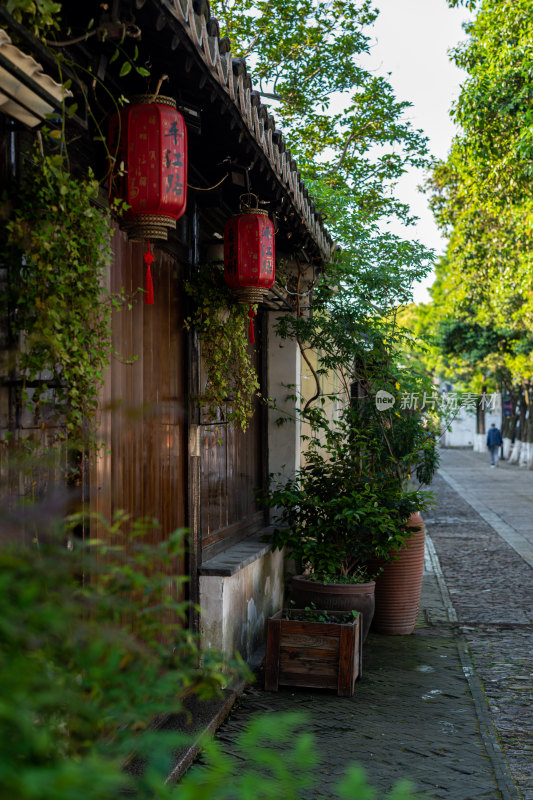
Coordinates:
57 247
222 324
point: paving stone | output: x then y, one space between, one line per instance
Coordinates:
411 716
492 591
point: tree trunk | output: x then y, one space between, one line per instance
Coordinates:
508 434
509 424
520 432
481 433
528 461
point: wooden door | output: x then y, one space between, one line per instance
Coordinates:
232 468
141 466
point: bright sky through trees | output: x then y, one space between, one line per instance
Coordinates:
411 40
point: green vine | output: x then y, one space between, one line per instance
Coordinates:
39 15
57 246
222 325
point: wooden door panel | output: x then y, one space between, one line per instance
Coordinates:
142 467
231 467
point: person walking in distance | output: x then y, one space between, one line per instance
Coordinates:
494 441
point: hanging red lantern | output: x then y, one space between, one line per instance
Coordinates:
249 258
148 140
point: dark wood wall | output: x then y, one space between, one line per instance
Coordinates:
33 463
232 467
142 465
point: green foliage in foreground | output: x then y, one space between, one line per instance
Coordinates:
274 760
94 645
78 688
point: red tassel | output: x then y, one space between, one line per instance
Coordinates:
251 335
148 283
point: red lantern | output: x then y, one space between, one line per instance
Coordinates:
249 259
148 140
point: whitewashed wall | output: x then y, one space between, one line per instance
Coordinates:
462 431
236 608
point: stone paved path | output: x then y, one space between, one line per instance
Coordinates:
490 581
502 496
449 706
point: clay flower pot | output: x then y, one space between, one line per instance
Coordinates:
336 597
399 586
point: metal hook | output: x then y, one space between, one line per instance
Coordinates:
246 202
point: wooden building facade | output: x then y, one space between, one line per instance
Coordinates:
163 456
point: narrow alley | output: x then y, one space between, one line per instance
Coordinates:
449 706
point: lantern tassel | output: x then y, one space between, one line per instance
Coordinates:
251 334
148 283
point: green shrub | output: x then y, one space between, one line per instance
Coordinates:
348 505
94 645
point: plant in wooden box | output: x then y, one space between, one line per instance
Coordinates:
341 511
315 649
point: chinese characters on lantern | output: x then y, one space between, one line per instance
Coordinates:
149 144
267 250
173 159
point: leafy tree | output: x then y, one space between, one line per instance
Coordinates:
352 142
481 193
346 129
481 198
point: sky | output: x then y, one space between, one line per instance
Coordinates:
410 40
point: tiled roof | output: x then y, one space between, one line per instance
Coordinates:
30 93
231 74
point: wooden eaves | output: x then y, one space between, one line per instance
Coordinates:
233 138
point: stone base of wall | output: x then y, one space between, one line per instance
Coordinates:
239 590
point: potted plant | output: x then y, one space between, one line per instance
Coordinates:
315 649
399 582
344 509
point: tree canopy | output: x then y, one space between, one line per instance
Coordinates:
482 199
352 141
345 127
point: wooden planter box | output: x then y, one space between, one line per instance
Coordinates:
322 655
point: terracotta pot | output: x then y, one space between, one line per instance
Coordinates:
399 586
336 597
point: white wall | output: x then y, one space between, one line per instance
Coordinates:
236 608
462 431
284 370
